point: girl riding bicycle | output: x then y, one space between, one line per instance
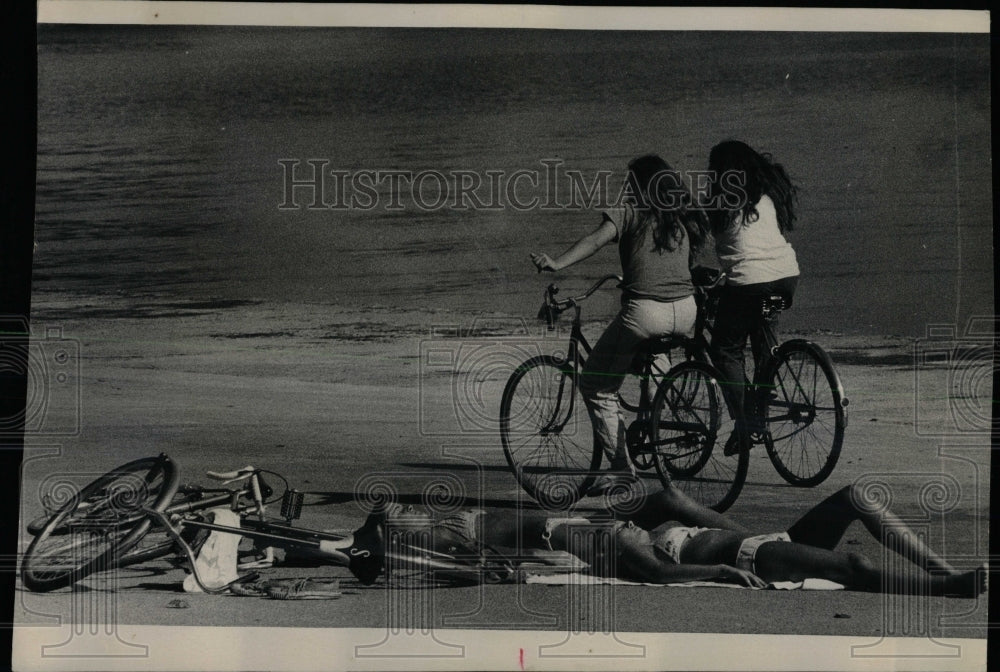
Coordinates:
752 205
657 232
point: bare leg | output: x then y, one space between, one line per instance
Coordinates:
672 504
782 561
824 525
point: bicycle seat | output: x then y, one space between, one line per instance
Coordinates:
663 344
367 553
771 306
703 276
658 345
227 477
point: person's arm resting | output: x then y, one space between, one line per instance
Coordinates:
640 563
580 250
662 572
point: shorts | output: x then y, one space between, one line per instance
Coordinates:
746 556
464 525
460 528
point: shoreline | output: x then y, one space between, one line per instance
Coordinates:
390 324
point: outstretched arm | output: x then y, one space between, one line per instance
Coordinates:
580 250
638 563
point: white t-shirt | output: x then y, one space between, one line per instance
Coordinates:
756 252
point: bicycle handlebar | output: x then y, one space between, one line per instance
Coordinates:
566 303
551 308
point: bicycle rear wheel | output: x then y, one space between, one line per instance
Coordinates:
546 435
156 543
688 418
805 413
99 524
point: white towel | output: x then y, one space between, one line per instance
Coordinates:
587 579
216 560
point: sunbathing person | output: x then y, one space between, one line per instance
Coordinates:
669 538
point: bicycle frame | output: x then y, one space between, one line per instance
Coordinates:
765 354
339 547
579 349
262 530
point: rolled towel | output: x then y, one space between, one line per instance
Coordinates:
216 559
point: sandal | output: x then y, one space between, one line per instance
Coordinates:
304 589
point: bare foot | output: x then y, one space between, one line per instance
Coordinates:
972 583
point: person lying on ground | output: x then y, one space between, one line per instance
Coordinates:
667 537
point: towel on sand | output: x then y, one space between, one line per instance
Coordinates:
586 579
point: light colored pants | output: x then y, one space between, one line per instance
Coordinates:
609 363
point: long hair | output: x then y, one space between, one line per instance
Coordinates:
740 176
664 202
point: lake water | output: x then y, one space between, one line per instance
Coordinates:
159 149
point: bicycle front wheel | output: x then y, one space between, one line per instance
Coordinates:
688 419
98 524
546 434
804 412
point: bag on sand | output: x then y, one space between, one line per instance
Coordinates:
216 560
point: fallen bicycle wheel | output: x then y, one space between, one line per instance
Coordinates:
98 524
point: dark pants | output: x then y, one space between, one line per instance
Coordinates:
739 316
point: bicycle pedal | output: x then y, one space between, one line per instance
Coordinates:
291 505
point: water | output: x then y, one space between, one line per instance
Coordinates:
158 173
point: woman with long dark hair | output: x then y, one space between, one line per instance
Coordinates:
751 206
657 231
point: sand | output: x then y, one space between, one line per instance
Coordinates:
214 326
333 399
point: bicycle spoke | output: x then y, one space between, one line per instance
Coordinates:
689 417
93 530
803 421
544 430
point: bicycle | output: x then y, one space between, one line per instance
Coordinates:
138 512
795 399
117 502
544 430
